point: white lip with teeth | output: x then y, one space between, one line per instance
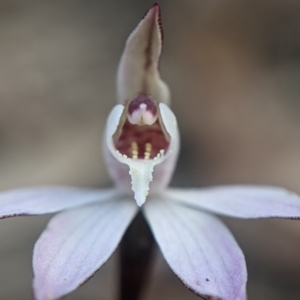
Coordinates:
144 153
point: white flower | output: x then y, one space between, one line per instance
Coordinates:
141 144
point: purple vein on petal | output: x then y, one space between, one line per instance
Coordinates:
76 244
240 201
43 200
197 247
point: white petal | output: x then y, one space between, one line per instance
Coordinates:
43 200
199 249
113 122
76 244
241 201
138 68
170 123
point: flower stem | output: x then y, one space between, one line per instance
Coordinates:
136 252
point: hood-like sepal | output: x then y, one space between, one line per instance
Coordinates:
138 68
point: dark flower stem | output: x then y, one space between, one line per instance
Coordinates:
136 252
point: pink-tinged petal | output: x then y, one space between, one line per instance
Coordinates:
241 201
76 244
42 200
199 249
138 68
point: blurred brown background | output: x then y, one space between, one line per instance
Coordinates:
234 71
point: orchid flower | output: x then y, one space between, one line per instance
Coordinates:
141 143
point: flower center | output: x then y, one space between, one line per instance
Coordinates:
141 134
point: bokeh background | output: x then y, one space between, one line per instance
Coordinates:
234 70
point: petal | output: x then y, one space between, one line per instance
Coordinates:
199 249
42 200
138 68
76 244
241 201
